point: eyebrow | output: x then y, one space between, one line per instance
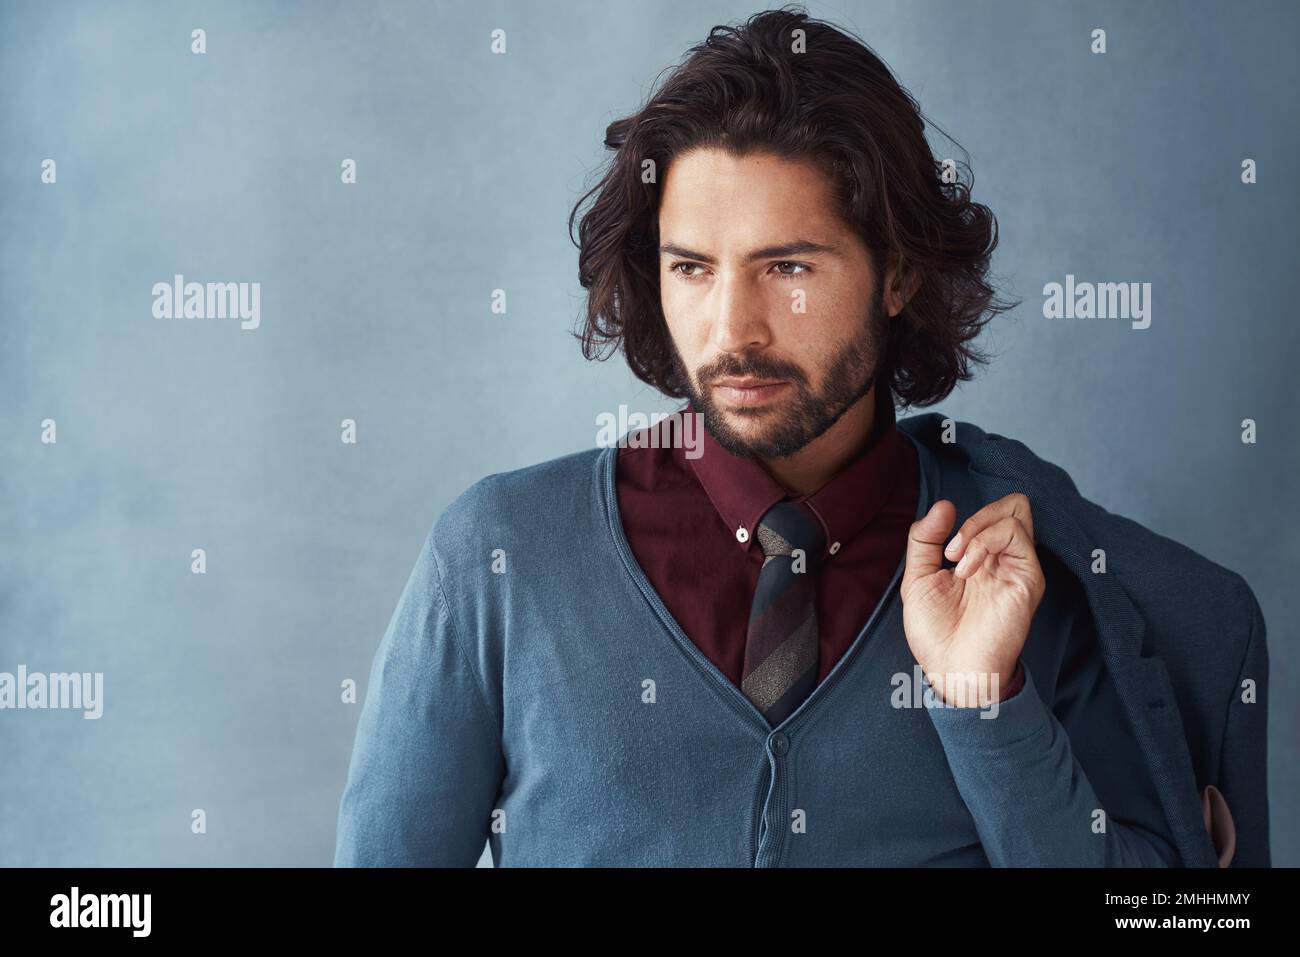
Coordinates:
800 247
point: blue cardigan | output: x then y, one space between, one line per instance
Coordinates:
533 691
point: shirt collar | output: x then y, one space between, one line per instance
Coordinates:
741 489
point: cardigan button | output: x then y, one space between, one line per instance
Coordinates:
780 743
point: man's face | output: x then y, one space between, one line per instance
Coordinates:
770 298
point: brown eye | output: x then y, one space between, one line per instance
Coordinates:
781 270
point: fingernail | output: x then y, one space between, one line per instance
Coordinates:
961 565
954 544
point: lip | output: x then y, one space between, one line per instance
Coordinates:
747 392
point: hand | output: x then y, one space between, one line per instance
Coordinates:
974 619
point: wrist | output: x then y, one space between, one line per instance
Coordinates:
963 687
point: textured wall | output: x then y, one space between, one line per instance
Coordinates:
222 690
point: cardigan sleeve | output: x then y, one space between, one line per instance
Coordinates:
1065 786
426 764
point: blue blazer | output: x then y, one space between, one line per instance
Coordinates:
1194 684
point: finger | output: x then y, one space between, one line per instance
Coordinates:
1006 537
925 542
1015 505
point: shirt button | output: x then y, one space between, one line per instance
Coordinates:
742 534
835 547
780 743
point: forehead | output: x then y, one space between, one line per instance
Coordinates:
712 194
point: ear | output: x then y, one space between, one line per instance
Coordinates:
901 284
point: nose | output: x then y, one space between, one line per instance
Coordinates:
739 315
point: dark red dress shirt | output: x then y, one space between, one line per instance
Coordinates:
682 517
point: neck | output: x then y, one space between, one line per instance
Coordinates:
817 462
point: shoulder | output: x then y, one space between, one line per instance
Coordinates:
1154 569
499 506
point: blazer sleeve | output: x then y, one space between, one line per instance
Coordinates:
427 763
1243 766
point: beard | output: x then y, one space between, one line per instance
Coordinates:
801 417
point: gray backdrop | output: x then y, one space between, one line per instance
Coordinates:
222 690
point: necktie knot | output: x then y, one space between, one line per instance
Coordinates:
787 526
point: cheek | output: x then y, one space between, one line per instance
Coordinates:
683 317
807 319
831 316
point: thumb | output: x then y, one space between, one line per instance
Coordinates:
925 542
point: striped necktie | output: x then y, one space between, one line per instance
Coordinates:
781 639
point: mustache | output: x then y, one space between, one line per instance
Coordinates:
760 367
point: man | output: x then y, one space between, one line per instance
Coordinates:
777 652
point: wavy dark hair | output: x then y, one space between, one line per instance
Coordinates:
834 102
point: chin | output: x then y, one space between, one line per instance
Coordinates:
751 412
749 432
